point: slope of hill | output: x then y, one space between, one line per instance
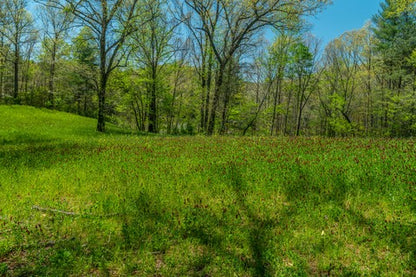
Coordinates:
24 124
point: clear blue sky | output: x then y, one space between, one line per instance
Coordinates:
342 16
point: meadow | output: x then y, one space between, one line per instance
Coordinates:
74 202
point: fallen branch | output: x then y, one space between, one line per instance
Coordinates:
53 210
42 209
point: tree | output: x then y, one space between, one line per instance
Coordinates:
232 25
153 49
56 23
17 28
402 6
203 62
396 40
277 63
368 62
303 68
111 22
342 60
179 72
84 59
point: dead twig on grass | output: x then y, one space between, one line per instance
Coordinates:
34 207
42 209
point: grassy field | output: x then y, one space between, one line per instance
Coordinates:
75 202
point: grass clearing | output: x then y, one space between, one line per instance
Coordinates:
199 206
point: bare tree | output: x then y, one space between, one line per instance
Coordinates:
153 48
56 24
18 30
112 22
233 24
304 67
343 60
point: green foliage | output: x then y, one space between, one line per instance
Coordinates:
198 206
337 121
395 36
301 60
3 268
84 50
402 110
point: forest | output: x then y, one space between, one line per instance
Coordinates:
211 66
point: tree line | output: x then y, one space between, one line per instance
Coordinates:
211 66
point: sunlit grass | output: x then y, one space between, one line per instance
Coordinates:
200 206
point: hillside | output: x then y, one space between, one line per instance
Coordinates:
76 202
24 124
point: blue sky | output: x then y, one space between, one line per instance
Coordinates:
342 16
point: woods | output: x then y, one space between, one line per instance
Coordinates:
211 66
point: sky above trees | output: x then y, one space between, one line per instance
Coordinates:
342 16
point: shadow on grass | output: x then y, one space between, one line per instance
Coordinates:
150 224
307 190
47 248
259 227
397 234
25 138
305 187
203 225
41 153
56 258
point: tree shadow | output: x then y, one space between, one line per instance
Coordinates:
25 138
259 227
40 153
211 229
47 258
147 223
306 187
398 234
41 250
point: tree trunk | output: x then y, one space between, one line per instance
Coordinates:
225 113
203 77
171 116
85 97
101 102
227 98
142 113
215 101
287 111
16 74
178 113
136 118
52 76
171 112
153 105
208 89
276 101
103 79
299 121
102 93
202 110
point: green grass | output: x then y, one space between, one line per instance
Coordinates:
197 206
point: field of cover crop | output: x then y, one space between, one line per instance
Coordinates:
75 202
